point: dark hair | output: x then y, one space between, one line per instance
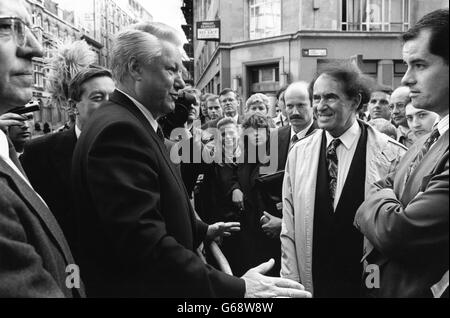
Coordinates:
256 121
82 77
229 90
353 82
281 91
226 121
437 23
211 98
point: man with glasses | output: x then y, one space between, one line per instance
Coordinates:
34 254
399 100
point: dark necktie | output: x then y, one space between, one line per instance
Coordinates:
332 164
13 157
423 151
160 134
293 142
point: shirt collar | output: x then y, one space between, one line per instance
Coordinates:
148 115
348 138
301 134
442 126
402 130
77 132
4 146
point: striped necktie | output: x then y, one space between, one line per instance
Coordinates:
423 151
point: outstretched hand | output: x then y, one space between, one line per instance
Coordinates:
219 230
259 286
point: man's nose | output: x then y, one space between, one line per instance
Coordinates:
179 82
408 79
31 49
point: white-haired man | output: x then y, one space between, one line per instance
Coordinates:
34 254
138 232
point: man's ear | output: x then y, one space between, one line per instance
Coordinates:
357 101
135 69
73 106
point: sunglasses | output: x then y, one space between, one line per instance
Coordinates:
16 28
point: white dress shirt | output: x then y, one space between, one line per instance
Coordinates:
4 154
345 153
148 115
77 132
301 134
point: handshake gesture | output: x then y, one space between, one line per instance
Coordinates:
257 285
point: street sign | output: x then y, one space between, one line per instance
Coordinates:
208 30
315 52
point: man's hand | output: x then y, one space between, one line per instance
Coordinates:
218 230
259 286
271 225
238 199
10 119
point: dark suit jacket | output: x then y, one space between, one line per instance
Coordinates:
47 162
407 224
33 251
137 230
284 141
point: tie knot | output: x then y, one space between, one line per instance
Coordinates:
294 139
432 139
335 143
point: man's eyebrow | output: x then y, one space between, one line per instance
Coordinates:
97 91
416 60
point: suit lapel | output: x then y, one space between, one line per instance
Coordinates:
284 140
39 209
119 98
426 168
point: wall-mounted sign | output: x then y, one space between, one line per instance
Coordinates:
314 52
208 30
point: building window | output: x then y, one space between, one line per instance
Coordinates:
375 15
38 75
265 18
400 69
370 68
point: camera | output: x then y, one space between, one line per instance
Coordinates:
28 108
179 116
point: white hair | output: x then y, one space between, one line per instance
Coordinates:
143 42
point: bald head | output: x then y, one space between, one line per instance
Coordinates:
297 88
399 99
298 106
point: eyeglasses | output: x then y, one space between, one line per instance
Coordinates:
400 106
16 28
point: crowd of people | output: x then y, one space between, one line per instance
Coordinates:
348 180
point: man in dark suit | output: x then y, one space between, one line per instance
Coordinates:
34 254
230 103
301 124
405 218
48 160
137 229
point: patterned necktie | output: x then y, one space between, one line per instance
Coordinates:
332 164
423 151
